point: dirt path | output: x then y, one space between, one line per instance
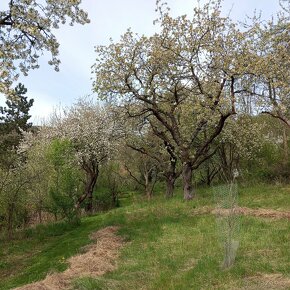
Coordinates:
99 258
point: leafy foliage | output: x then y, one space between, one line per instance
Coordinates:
26 32
269 84
13 121
65 187
185 80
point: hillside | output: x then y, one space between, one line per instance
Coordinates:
166 244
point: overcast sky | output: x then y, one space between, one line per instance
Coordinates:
109 19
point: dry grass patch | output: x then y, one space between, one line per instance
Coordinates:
202 210
259 212
266 282
98 258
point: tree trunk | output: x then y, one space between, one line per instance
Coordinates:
148 185
114 195
187 181
92 179
149 193
285 145
170 184
211 174
208 175
150 179
39 212
171 175
89 189
10 221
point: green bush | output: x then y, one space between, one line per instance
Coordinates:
65 186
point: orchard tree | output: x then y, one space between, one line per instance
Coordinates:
111 181
141 138
184 79
241 140
269 65
26 32
92 130
142 169
240 143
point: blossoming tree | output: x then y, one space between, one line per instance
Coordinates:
26 32
92 130
184 78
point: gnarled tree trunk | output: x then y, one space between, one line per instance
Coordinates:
92 173
149 183
91 183
187 181
170 184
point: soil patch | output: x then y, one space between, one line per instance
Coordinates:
98 258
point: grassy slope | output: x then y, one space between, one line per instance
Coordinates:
169 247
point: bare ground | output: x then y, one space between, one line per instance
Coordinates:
99 258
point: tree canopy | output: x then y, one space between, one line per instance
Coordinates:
13 121
180 107
184 79
270 65
26 31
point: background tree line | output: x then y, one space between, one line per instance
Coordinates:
185 107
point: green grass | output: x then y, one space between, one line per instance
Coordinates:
265 196
169 247
45 249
